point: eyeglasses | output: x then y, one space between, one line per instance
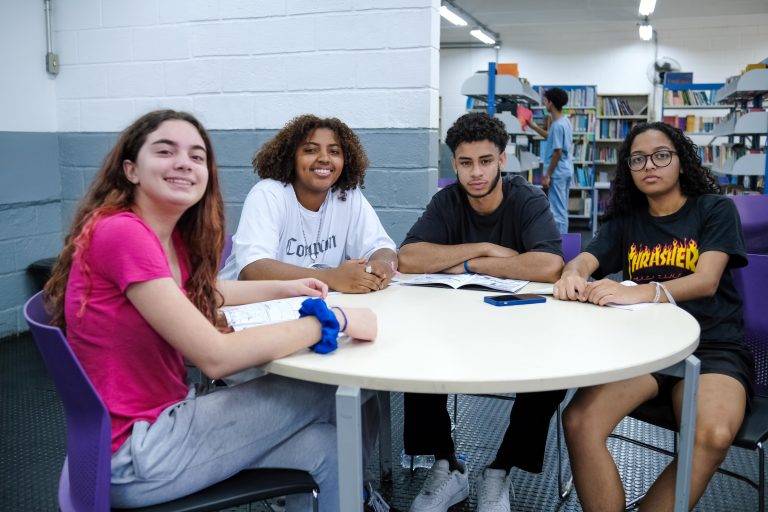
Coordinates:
660 158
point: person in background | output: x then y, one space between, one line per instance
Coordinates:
669 231
136 289
559 155
307 217
489 225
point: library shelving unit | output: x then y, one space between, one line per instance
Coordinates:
500 95
581 111
616 115
743 160
692 107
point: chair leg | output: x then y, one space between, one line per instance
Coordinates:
385 437
455 410
761 473
564 487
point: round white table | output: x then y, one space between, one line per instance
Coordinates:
436 340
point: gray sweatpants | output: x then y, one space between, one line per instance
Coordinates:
272 421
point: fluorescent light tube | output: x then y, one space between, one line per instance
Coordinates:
452 16
646 32
646 7
482 36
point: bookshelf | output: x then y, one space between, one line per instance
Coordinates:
581 111
742 161
692 107
500 95
616 115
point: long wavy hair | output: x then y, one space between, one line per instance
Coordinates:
201 227
277 157
695 179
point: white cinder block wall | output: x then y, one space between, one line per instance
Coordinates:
244 67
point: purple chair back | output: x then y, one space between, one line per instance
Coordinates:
85 478
753 211
571 245
751 282
227 250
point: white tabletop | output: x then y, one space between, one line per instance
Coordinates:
435 340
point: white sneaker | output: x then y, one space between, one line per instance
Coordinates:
493 491
442 488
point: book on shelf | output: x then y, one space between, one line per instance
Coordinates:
679 77
466 281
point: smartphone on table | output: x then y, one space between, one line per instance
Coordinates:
514 299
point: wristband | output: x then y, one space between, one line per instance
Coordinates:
659 288
344 316
328 323
466 267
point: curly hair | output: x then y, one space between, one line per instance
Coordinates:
694 181
277 157
475 127
201 226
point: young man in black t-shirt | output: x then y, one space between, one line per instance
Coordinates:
491 226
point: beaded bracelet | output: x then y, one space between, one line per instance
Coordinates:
328 322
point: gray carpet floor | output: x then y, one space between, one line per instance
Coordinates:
32 449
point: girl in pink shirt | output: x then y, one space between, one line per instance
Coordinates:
135 287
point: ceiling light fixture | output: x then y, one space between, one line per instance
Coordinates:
452 16
646 31
482 36
646 7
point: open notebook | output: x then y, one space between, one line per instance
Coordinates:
467 282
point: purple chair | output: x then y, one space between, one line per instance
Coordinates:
226 251
571 245
85 477
753 210
750 282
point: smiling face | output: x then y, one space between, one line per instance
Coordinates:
652 180
170 172
319 162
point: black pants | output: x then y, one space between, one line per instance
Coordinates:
427 428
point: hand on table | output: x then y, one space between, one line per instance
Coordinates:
607 291
307 286
361 323
351 277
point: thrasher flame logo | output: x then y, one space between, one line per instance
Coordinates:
683 255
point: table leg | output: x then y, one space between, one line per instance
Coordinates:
350 448
385 436
687 429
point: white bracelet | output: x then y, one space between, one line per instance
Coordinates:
658 292
659 288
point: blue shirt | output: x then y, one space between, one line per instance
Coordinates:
560 136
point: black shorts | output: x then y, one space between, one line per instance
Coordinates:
726 358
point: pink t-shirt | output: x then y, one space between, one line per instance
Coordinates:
136 372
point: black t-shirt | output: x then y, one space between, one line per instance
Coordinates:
522 221
647 248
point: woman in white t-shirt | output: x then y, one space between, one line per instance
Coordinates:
307 217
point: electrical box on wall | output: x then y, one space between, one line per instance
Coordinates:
52 63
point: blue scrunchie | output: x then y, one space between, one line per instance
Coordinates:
330 326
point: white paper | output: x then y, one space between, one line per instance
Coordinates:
261 313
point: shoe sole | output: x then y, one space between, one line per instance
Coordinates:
457 498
